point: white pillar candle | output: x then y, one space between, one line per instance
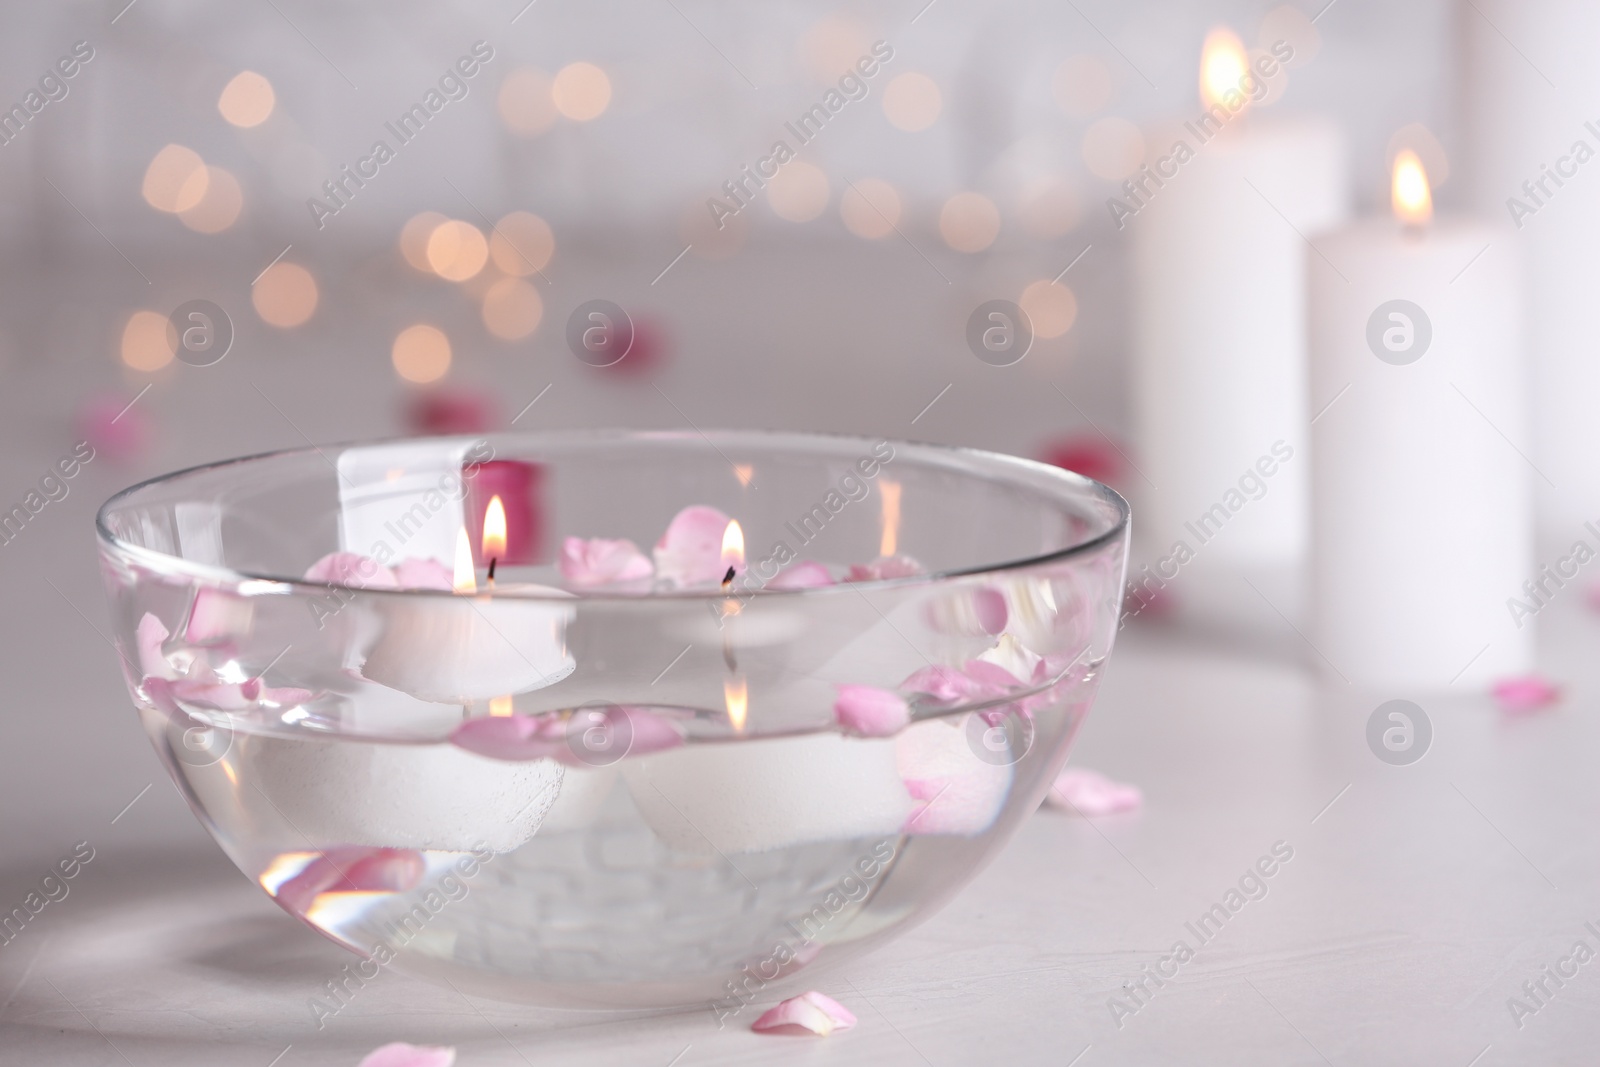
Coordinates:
1421 501
1536 167
1219 324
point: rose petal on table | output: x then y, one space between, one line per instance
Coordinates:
809 1013
869 711
1527 692
690 552
804 574
885 567
592 561
513 738
352 569
400 1054
1091 793
149 636
113 426
423 574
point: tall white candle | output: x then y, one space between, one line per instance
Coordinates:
1219 337
1421 500
1535 166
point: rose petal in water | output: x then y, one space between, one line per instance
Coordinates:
869 711
591 561
352 869
690 552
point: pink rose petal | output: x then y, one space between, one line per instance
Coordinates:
453 411
1091 793
972 612
595 561
809 1013
885 567
400 1054
1524 693
690 552
869 711
804 574
423 574
217 616
352 569
352 869
114 427
593 737
149 636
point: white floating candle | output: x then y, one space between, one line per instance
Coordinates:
1421 499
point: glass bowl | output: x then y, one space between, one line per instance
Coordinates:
521 714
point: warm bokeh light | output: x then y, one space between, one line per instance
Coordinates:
285 296
1410 193
457 250
145 344
1223 65
1113 148
525 103
581 91
414 238
500 707
870 208
512 309
798 192
1049 208
1051 307
220 206
912 101
176 179
969 222
832 46
521 243
1082 85
247 100
421 354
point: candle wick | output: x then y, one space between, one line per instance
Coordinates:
727 579
492 561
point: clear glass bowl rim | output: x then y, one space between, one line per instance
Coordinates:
1070 482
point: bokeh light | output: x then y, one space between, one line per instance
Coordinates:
175 180
832 46
1113 148
421 353
521 243
798 192
525 102
247 100
512 309
414 238
219 207
145 344
286 295
912 101
1082 85
870 208
1051 307
969 222
457 250
581 91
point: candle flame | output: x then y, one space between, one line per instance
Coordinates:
494 529
1410 193
500 706
889 543
733 546
1223 66
736 695
466 576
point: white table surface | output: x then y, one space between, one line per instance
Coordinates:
1415 904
